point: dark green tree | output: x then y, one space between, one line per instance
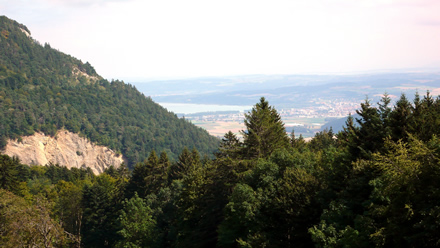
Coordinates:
101 207
384 110
137 224
264 132
230 146
409 174
8 172
322 140
373 128
156 172
187 161
137 182
426 117
401 119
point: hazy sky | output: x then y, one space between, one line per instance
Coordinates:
130 39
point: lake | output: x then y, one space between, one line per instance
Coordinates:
190 108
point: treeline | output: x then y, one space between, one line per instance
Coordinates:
42 89
374 184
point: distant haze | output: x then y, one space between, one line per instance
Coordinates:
285 91
138 39
188 108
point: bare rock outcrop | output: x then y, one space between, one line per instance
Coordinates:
66 148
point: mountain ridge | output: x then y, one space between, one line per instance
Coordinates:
45 90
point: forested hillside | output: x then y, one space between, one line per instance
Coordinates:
42 89
374 184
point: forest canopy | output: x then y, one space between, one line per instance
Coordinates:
374 184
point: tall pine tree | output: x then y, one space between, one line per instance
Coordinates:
265 131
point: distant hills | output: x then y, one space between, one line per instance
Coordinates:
327 96
338 124
290 91
43 89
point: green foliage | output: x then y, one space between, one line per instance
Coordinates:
400 119
148 177
186 163
273 206
28 224
138 225
361 189
409 174
230 146
101 206
8 172
322 140
265 131
68 207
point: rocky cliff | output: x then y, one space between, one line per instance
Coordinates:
66 148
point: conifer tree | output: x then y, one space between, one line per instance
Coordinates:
101 207
292 137
137 181
427 117
163 159
138 225
367 139
187 161
265 131
229 146
8 172
162 169
346 136
384 111
400 119
153 160
322 140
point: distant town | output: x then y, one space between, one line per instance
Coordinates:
306 103
322 108
306 121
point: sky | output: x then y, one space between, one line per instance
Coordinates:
135 40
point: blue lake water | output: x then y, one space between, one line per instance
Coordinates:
190 108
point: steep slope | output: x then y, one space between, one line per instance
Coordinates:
44 90
66 148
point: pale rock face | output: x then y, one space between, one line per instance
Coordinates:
66 148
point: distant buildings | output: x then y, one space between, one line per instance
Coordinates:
321 108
